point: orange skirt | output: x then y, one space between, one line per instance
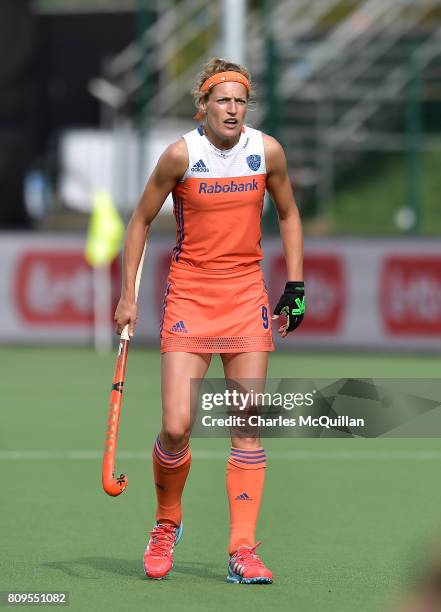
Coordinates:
216 311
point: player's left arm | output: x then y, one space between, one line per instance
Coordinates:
292 302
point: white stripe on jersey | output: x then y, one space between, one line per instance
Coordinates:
246 158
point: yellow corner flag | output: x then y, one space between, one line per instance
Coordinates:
105 233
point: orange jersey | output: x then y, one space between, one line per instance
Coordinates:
218 203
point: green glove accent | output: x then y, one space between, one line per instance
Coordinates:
292 305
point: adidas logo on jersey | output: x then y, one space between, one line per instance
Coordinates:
179 327
200 167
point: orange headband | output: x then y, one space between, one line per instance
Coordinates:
222 77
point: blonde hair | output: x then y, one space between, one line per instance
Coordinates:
213 66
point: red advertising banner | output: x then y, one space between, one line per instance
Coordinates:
383 294
410 294
325 289
54 287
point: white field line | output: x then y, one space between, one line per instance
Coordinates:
291 455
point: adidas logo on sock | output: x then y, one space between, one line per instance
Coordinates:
179 327
200 167
244 496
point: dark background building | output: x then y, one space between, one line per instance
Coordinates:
46 62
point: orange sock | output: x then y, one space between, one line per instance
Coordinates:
170 471
245 478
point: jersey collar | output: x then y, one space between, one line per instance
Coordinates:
224 153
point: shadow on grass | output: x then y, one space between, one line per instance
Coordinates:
201 570
91 568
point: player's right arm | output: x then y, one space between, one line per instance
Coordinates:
170 168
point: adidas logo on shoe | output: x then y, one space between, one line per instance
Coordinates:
200 167
244 496
246 567
179 327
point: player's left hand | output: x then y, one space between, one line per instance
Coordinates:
292 306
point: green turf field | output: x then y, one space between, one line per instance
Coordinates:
341 530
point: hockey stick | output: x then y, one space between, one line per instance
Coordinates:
111 485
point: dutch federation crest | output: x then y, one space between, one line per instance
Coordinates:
254 162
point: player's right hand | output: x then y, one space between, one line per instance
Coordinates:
126 313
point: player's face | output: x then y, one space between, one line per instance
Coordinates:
225 109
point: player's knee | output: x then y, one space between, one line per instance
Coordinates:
246 443
175 437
